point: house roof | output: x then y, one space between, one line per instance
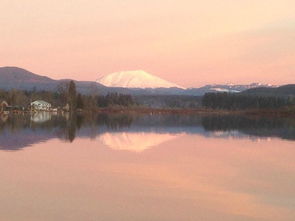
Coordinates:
40 102
3 102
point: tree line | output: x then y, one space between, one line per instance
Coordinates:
169 101
232 101
66 96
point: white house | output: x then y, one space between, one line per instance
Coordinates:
40 105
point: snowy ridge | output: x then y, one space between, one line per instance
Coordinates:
224 90
232 88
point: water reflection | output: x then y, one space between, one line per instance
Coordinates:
253 126
134 132
41 117
135 141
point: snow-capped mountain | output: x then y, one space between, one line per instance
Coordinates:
230 88
135 79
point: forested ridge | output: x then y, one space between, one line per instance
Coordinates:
240 101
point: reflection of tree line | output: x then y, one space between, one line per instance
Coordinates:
262 127
64 126
13 124
69 125
167 120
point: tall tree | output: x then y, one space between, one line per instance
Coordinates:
61 92
72 96
80 102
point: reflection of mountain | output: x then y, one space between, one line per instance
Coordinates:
135 141
135 133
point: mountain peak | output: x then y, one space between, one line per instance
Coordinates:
135 79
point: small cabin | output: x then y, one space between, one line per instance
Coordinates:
40 105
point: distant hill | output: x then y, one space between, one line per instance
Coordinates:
285 90
21 79
13 77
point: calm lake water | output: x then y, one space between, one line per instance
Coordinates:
146 168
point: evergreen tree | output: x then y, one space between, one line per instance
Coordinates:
80 103
72 96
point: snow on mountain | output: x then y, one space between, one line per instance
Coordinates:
135 79
224 90
232 88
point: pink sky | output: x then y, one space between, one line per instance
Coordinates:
189 42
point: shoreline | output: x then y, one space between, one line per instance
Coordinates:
200 111
195 111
